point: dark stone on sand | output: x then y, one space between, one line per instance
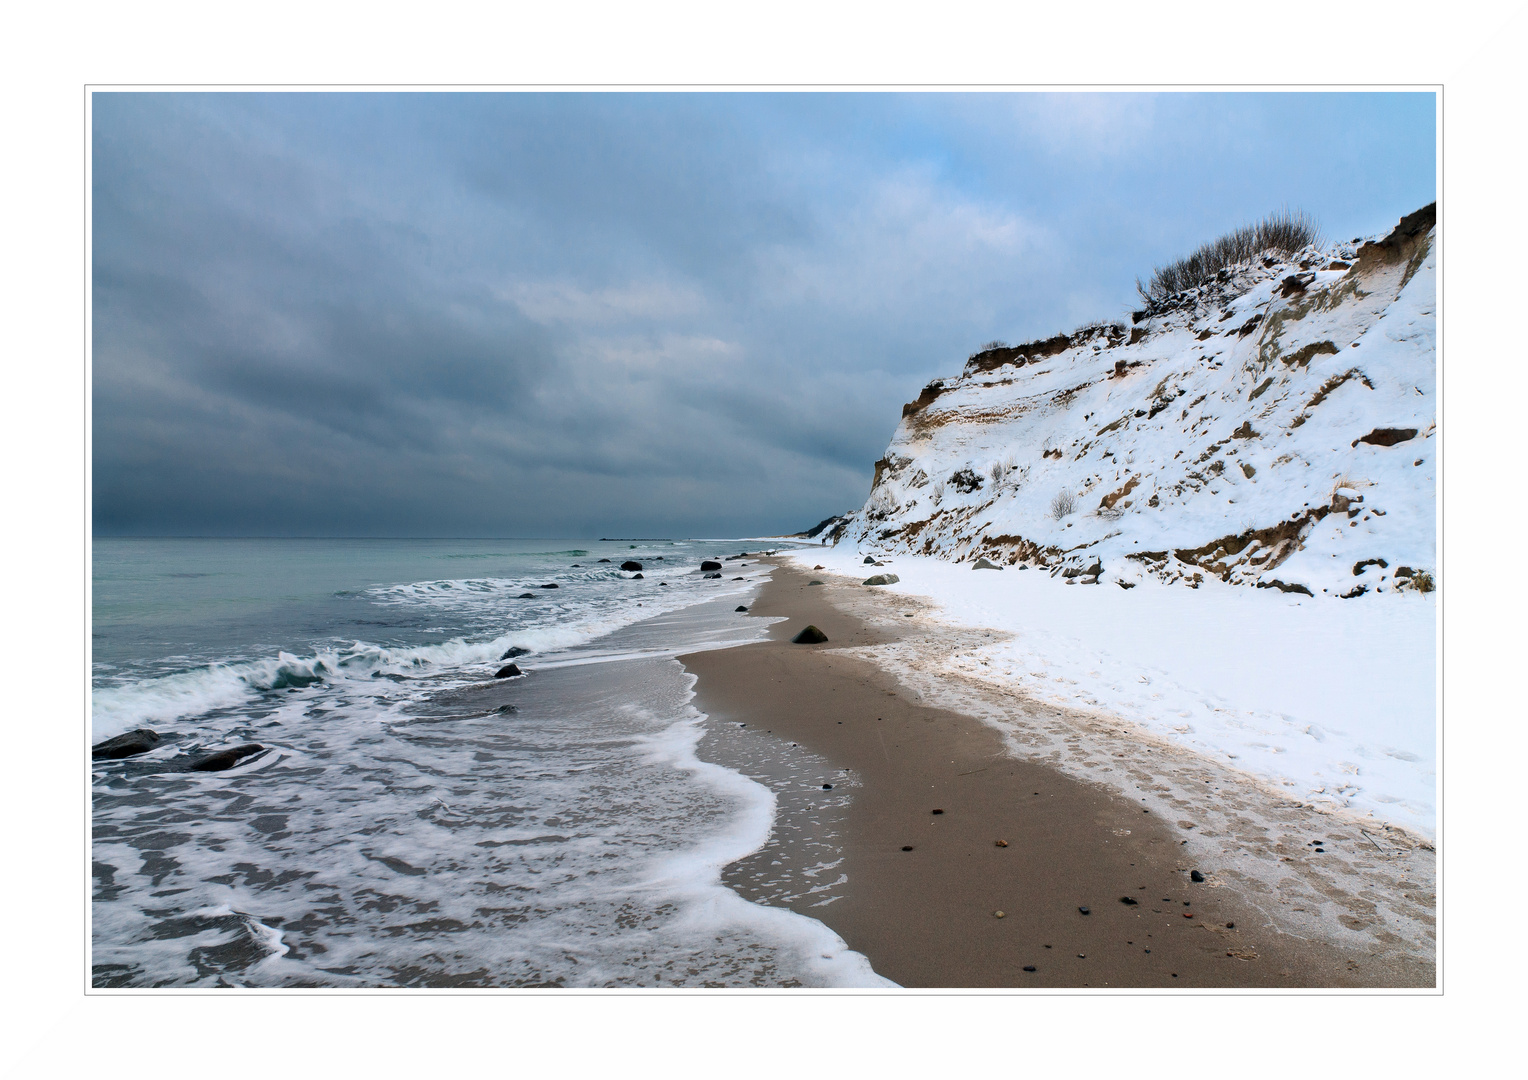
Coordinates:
809 636
134 742
512 652
1029 967
710 564
740 607
827 787
225 759
631 564
1129 901
936 811
508 671
814 581
737 579
1230 926
526 596
1195 875
1085 911
907 847
553 585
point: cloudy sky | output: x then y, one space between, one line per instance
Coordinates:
630 314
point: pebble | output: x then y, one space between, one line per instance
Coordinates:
1082 956
827 787
1029 967
1195 875
936 811
999 914
1085 911
907 847
1000 843
1129 901
1230 926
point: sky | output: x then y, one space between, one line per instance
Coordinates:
658 315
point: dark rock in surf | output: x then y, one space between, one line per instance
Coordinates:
740 607
604 560
506 709
1195 875
810 636
508 671
553 585
512 652
710 564
637 577
712 575
134 742
631 564
225 759
526 596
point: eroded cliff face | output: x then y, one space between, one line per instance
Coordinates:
1275 428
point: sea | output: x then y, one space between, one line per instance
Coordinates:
414 818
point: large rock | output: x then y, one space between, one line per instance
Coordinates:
986 564
869 560
512 652
631 564
711 575
882 579
810 636
508 671
553 585
710 564
225 759
134 742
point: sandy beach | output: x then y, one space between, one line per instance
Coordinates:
948 827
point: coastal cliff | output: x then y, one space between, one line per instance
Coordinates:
1274 426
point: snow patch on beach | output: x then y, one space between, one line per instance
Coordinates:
1330 703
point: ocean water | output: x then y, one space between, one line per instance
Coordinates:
414 821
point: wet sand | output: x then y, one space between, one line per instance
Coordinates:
1073 850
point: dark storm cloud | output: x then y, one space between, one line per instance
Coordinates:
422 314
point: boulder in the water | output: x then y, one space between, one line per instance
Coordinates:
134 742
508 671
604 560
225 759
526 596
740 607
637 577
631 564
809 636
712 575
882 579
506 709
710 564
553 585
512 652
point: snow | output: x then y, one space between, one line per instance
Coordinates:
1330 703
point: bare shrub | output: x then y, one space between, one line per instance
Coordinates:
965 481
1063 504
1282 233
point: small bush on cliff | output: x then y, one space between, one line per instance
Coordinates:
1282 233
1063 504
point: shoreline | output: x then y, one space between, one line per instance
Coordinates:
927 917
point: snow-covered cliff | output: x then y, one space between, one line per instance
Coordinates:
1275 427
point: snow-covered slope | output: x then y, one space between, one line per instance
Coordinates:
1275 427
